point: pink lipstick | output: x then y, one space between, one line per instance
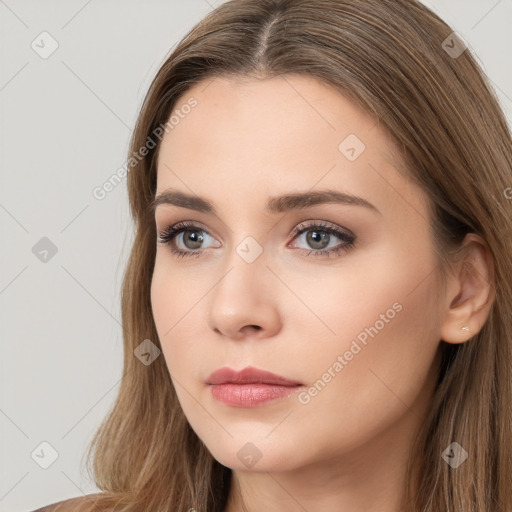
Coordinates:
249 387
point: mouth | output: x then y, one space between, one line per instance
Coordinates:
250 387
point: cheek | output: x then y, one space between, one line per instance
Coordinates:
375 366
175 301
166 305
173 294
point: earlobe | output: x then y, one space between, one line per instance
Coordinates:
465 333
470 293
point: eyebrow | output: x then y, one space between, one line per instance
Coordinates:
276 204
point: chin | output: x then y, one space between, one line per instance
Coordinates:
255 453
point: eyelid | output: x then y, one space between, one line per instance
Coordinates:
299 229
328 226
187 224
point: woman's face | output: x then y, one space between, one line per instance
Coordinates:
347 308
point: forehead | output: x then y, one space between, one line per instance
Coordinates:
280 110
286 133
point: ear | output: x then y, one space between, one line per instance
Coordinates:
469 292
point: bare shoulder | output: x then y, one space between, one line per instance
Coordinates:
78 504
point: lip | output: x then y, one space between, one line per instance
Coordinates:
250 387
249 375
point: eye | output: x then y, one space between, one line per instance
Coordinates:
193 237
319 237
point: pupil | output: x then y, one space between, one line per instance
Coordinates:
197 242
320 237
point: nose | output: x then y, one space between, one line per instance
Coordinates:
244 302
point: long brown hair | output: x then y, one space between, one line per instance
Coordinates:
389 58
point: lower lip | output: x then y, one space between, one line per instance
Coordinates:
250 395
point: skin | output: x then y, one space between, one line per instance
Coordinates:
294 314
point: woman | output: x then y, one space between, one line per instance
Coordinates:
317 306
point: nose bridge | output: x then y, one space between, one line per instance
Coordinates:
247 247
244 295
246 268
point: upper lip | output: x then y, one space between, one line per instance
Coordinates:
249 375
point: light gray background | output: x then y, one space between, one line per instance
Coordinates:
65 123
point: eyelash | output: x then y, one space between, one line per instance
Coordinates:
167 235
